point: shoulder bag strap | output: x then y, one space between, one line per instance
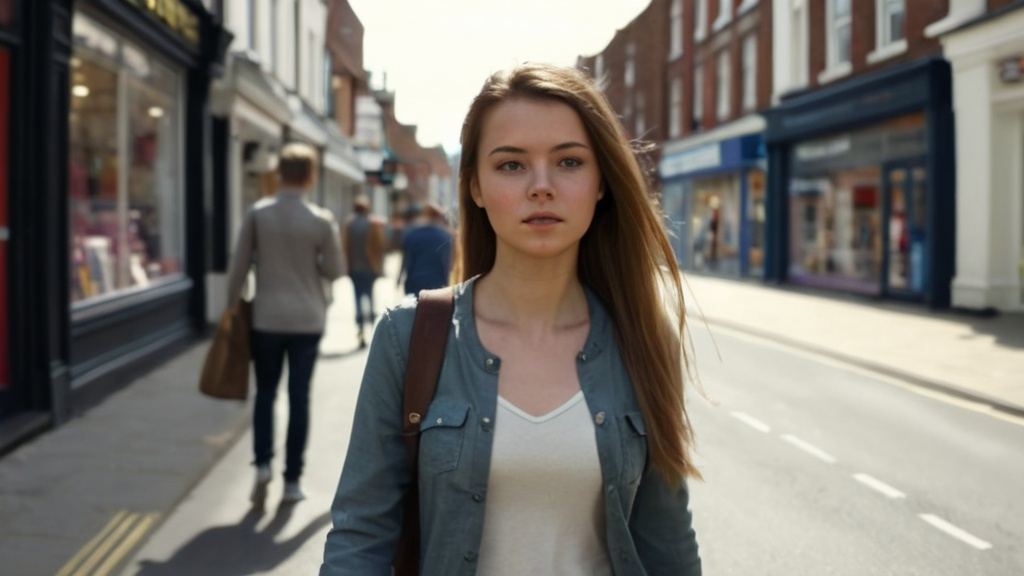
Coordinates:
426 355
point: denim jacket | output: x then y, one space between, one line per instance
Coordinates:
648 522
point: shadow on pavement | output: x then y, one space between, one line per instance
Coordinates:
238 549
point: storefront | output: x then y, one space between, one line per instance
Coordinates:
987 57
860 193
713 193
109 195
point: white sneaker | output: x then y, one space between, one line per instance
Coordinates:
292 493
259 489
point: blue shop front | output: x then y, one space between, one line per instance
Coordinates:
862 185
713 194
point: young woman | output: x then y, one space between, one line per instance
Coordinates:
557 441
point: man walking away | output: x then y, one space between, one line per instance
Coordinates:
364 248
426 251
294 247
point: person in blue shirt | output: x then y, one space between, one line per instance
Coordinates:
557 441
426 251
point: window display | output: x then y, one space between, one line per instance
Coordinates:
125 182
715 224
845 188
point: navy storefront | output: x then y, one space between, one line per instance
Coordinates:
714 194
861 185
106 196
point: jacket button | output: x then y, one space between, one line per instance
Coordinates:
469 556
440 420
489 362
599 418
583 356
477 497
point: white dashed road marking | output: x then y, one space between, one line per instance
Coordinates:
956 532
878 485
752 422
809 448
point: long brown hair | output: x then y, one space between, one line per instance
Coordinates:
625 256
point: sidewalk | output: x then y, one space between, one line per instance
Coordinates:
77 501
87 494
973 357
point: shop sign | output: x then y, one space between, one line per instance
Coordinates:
1011 69
699 158
174 14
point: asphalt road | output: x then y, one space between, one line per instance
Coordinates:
814 467
811 467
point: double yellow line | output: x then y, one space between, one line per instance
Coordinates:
109 548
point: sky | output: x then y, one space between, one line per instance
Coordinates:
436 54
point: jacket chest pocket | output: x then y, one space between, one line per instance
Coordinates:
442 433
634 447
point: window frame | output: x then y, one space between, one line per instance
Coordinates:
884 47
675 110
676 24
748 48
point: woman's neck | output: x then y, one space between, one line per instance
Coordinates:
531 299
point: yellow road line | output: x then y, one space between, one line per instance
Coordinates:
91 545
110 546
127 544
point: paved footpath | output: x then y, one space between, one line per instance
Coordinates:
83 499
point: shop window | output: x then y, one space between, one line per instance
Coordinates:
715 224
841 198
125 170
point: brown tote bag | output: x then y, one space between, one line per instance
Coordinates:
225 372
426 356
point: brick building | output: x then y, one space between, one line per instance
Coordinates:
712 168
860 149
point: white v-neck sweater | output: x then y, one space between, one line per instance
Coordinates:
545 507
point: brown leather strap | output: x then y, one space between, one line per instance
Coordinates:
426 356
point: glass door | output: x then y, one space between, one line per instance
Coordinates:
906 236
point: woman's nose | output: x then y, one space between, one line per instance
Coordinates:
540 184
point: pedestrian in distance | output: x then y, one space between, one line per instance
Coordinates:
365 243
293 247
427 249
558 440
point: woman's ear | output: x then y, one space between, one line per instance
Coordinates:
474 191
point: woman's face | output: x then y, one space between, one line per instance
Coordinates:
537 177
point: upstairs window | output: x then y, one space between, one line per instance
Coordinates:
839 28
724 14
749 72
676 29
630 72
890 21
640 119
700 19
675 108
723 73
698 97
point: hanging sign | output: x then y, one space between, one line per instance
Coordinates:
173 14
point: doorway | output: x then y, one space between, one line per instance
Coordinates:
905 209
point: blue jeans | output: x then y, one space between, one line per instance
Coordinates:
363 281
268 354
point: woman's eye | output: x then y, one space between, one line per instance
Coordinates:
570 162
510 165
